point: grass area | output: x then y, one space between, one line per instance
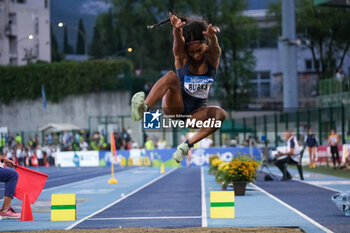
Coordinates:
329 171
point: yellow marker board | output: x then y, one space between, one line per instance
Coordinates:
222 204
63 207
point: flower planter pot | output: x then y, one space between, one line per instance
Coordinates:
239 188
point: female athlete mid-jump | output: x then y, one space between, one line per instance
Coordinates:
197 53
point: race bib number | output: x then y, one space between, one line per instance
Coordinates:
334 140
198 86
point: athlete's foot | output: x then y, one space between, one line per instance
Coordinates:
181 152
138 106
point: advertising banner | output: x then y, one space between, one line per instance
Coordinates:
323 154
77 159
197 157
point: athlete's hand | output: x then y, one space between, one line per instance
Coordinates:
175 21
211 30
9 163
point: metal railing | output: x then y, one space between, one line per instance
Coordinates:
333 86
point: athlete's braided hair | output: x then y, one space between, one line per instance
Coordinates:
192 30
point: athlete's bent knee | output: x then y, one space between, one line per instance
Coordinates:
171 76
221 115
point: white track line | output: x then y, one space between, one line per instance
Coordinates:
204 203
81 181
316 185
75 182
293 209
119 200
144 218
320 186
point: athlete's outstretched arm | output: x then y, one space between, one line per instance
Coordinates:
179 51
214 50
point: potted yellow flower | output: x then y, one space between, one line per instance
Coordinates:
241 170
214 164
221 174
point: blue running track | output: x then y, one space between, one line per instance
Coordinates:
172 202
61 176
180 198
315 202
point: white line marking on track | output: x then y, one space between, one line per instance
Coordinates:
320 186
75 182
294 210
144 218
204 204
81 181
311 183
119 200
330 182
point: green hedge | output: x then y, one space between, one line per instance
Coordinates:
61 79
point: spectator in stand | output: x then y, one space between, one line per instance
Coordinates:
39 155
102 142
134 145
339 75
18 139
30 154
94 142
77 138
24 156
333 141
206 143
19 154
126 137
118 139
83 145
54 149
10 177
11 141
312 144
32 143
37 141
2 144
67 140
10 153
161 144
49 139
149 145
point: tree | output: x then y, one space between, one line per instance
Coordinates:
55 53
237 59
67 48
81 36
106 39
125 26
324 31
96 44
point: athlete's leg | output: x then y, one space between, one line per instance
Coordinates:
313 152
168 88
201 114
311 158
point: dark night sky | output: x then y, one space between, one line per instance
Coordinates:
69 12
